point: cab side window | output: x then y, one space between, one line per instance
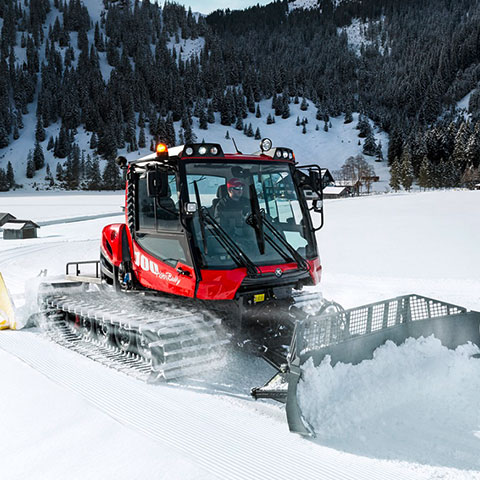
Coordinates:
158 213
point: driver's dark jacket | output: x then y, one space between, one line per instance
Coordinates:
231 214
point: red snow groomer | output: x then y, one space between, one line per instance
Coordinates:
221 247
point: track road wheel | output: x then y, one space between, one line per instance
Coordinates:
143 348
104 333
125 339
87 328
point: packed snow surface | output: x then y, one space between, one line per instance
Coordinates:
411 412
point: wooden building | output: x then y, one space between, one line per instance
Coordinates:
19 229
5 217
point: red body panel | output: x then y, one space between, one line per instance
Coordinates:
154 274
223 284
112 237
220 284
315 270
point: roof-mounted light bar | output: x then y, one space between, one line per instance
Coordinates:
202 150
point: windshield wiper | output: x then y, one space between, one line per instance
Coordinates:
237 254
201 217
256 219
301 262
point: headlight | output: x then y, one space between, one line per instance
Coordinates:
189 151
202 150
265 144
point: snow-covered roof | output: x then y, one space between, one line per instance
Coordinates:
334 190
19 225
346 183
4 217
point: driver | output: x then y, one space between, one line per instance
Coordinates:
231 210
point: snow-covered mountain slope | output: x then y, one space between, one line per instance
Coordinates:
357 35
302 5
68 416
330 148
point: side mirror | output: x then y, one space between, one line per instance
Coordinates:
121 162
190 208
317 205
157 183
315 180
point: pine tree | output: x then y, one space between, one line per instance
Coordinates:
49 177
3 181
59 172
258 136
38 157
395 175
258 113
203 122
406 171
459 155
4 140
30 165
471 177
304 104
395 146
369 145
93 141
50 144
141 138
227 136
39 130
425 174
111 176
379 152
62 145
286 107
10 175
170 131
210 113
239 123
94 177
364 127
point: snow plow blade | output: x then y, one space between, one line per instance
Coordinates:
352 336
7 309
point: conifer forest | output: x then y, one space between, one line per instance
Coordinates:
420 58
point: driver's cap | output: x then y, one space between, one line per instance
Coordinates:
234 183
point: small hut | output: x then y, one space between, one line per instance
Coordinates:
18 229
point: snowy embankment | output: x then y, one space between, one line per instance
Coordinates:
412 412
418 401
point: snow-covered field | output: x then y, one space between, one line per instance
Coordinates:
411 412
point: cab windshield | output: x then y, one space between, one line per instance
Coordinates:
227 193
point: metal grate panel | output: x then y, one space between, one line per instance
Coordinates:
324 330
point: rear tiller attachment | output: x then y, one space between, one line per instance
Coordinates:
351 336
